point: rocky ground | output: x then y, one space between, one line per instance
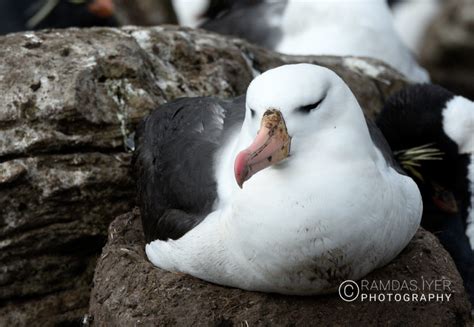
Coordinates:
130 291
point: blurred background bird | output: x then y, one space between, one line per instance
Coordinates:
341 28
431 132
21 15
412 18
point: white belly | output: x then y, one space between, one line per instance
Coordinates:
289 243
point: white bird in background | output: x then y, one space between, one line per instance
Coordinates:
322 199
346 28
318 27
190 12
412 18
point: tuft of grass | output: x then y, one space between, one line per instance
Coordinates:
412 158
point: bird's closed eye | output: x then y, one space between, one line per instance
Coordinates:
309 107
252 113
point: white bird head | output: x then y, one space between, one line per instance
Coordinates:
290 108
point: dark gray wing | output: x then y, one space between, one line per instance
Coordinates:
174 162
250 20
378 139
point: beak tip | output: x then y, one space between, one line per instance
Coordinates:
241 168
239 181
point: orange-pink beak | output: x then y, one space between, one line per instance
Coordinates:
271 145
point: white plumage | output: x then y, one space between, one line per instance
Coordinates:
458 125
346 28
189 12
317 27
412 18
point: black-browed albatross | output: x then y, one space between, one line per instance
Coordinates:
321 199
362 28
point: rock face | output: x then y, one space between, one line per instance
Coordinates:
69 101
448 47
130 291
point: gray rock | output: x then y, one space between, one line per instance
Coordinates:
69 101
130 291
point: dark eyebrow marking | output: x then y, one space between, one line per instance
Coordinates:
309 107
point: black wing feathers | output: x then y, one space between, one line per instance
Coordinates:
381 143
247 19
174 162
